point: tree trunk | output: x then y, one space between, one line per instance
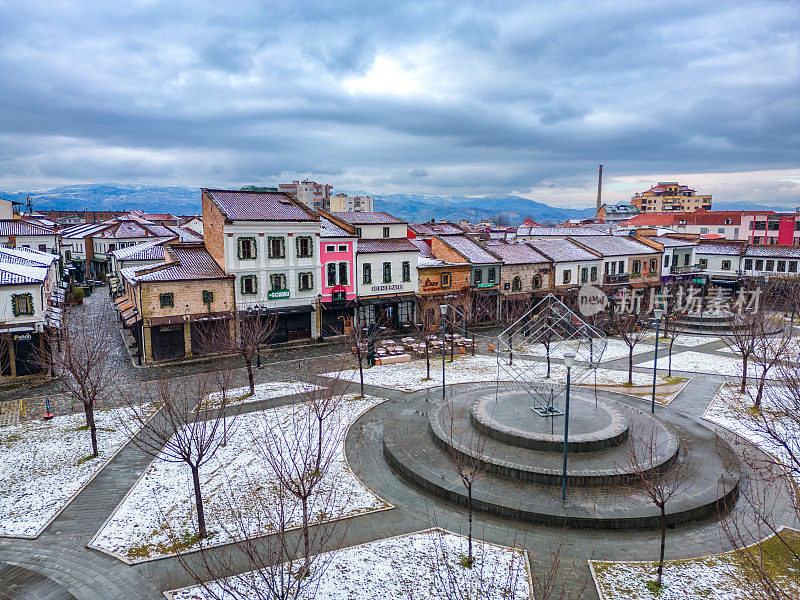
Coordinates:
470 560
198 500
744 374
361 374
306 542
630 365
428 358
669 360
88 409
547 350
663 541
249 362
761 382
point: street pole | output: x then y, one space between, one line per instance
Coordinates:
657 312
443 310
569 360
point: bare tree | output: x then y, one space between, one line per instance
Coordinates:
424 328
260 567
775 472
674 326
630 331
362 339
252 331
769 351
641 454
300 453
464 448
85 367
187 429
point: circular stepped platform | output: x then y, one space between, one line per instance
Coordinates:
410 448
589 469
592 427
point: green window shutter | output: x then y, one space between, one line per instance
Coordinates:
22 304
166 300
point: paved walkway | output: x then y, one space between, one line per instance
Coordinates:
60 554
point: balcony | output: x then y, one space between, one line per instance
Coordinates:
687 269
617 278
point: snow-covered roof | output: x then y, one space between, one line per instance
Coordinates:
470 250
562 250
558 231
718 249
618 245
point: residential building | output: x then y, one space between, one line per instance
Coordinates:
441 282
627 261
171 305
719 262
716 224
573 264
485 272
337 251
269 241
387 281
30 308
7 209
146 253
76 217
670 196
677 262
615 213
525 273
316 196
127 230
16 233
771 228
770 261
345 203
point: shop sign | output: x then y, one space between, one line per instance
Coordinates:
277 294
23 337
485 285
431 284
387 288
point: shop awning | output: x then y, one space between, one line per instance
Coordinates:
214 316
132 319
387 299
338 304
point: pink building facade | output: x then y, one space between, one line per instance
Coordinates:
771 229
337 246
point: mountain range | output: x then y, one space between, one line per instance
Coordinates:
408 206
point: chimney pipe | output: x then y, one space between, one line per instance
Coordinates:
599 187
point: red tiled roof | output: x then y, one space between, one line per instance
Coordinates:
259 206
698 217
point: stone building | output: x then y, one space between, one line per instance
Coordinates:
170 305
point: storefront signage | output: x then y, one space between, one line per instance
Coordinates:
485 285
387 287
431 284
23 337
338 293
277 294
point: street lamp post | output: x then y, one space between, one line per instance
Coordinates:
569 360
657 313
443 310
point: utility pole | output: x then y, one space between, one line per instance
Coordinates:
599 187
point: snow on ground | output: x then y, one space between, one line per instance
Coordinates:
688 340
411 376
419 565
615 348
263 391
707 578
699 362
45 463
160 507
731 409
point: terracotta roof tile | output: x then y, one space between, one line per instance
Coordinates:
260 206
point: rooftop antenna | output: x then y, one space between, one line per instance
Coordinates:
599 187
29 205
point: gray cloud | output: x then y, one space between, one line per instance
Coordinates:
491 98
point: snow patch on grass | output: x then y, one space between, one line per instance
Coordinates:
157 517
43 464
415 566
263 391
700 362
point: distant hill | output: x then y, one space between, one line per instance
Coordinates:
411 207
113 196
424 207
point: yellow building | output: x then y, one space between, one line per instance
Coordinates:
670 196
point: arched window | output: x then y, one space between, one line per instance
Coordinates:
537 282
516 284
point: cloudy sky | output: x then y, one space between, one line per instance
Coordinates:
384 97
